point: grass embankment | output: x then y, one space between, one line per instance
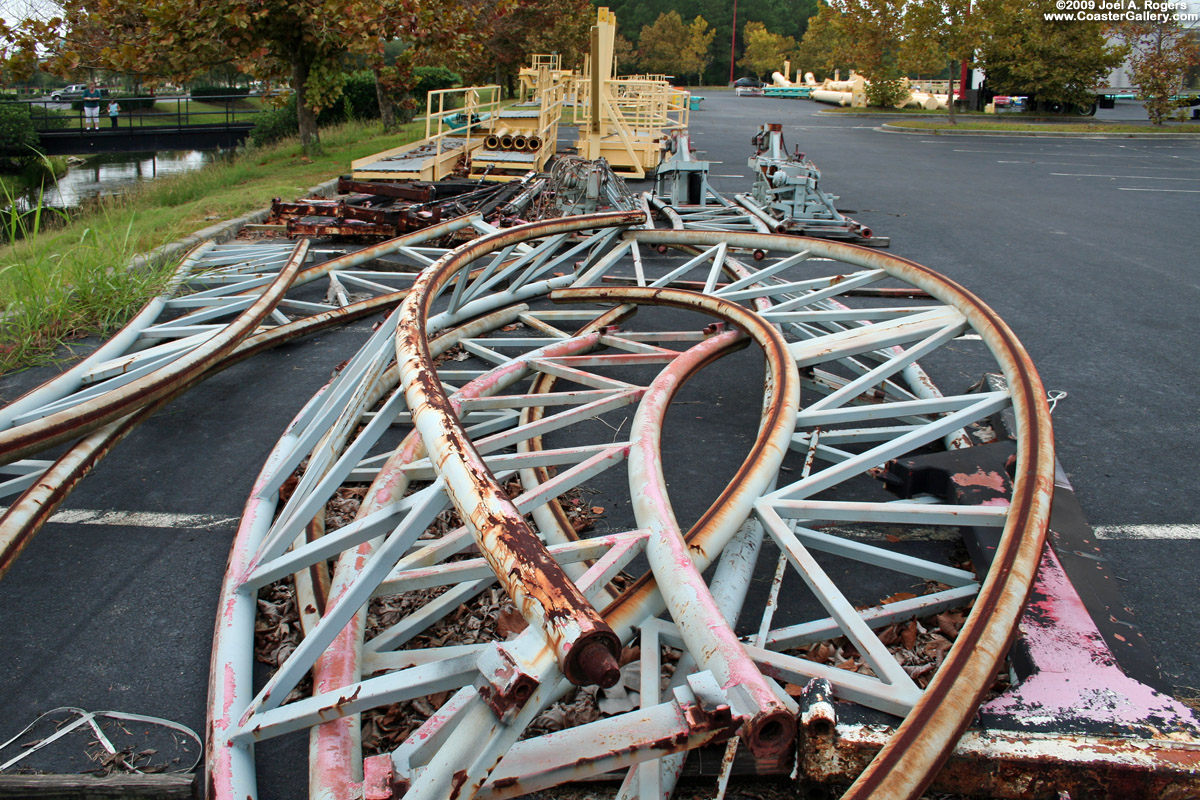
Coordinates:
1004 126
68 281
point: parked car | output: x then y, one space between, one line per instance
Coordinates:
74 92
747 83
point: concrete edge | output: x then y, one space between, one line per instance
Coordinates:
886 128
221 232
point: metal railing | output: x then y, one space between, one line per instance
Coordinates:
164 112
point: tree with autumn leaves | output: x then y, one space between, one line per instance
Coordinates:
308 44
1011 40
1161 53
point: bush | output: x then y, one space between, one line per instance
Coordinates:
359 99
886 93
274 124
131 103
433 79
19 142
219 91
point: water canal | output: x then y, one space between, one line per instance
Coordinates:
116 173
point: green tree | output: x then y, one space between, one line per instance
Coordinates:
765 51
624 56
785 17
1161 52
697 51
868 36
821 49
662 44
1024 53
935 33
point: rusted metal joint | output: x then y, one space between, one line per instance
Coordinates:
503 685
591 660
706 706
380 781
818 717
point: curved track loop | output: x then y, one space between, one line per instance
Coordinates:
486 449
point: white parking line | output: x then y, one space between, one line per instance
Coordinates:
1173 168
1131 189
1048 163
1043 153
1131 177
1147 532
137 519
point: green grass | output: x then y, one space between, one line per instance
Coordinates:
999 126
71 280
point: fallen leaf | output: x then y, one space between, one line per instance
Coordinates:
908 634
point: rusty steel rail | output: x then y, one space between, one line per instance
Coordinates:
870 403
22 520
586 648
212 283
21 442
242 272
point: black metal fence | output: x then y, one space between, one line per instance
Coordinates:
147 111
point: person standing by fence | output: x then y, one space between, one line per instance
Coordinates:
114 111
91 107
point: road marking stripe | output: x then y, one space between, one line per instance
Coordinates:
1127 532
137 519
1133 177
1047 163
1130 189
1051 153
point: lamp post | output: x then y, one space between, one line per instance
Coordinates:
733 42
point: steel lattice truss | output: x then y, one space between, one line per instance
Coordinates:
223 304
496 444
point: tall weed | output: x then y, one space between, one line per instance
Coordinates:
72 280
50 296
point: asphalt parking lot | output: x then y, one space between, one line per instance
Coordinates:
1087 248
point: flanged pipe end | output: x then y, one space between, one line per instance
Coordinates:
594 661
770 735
